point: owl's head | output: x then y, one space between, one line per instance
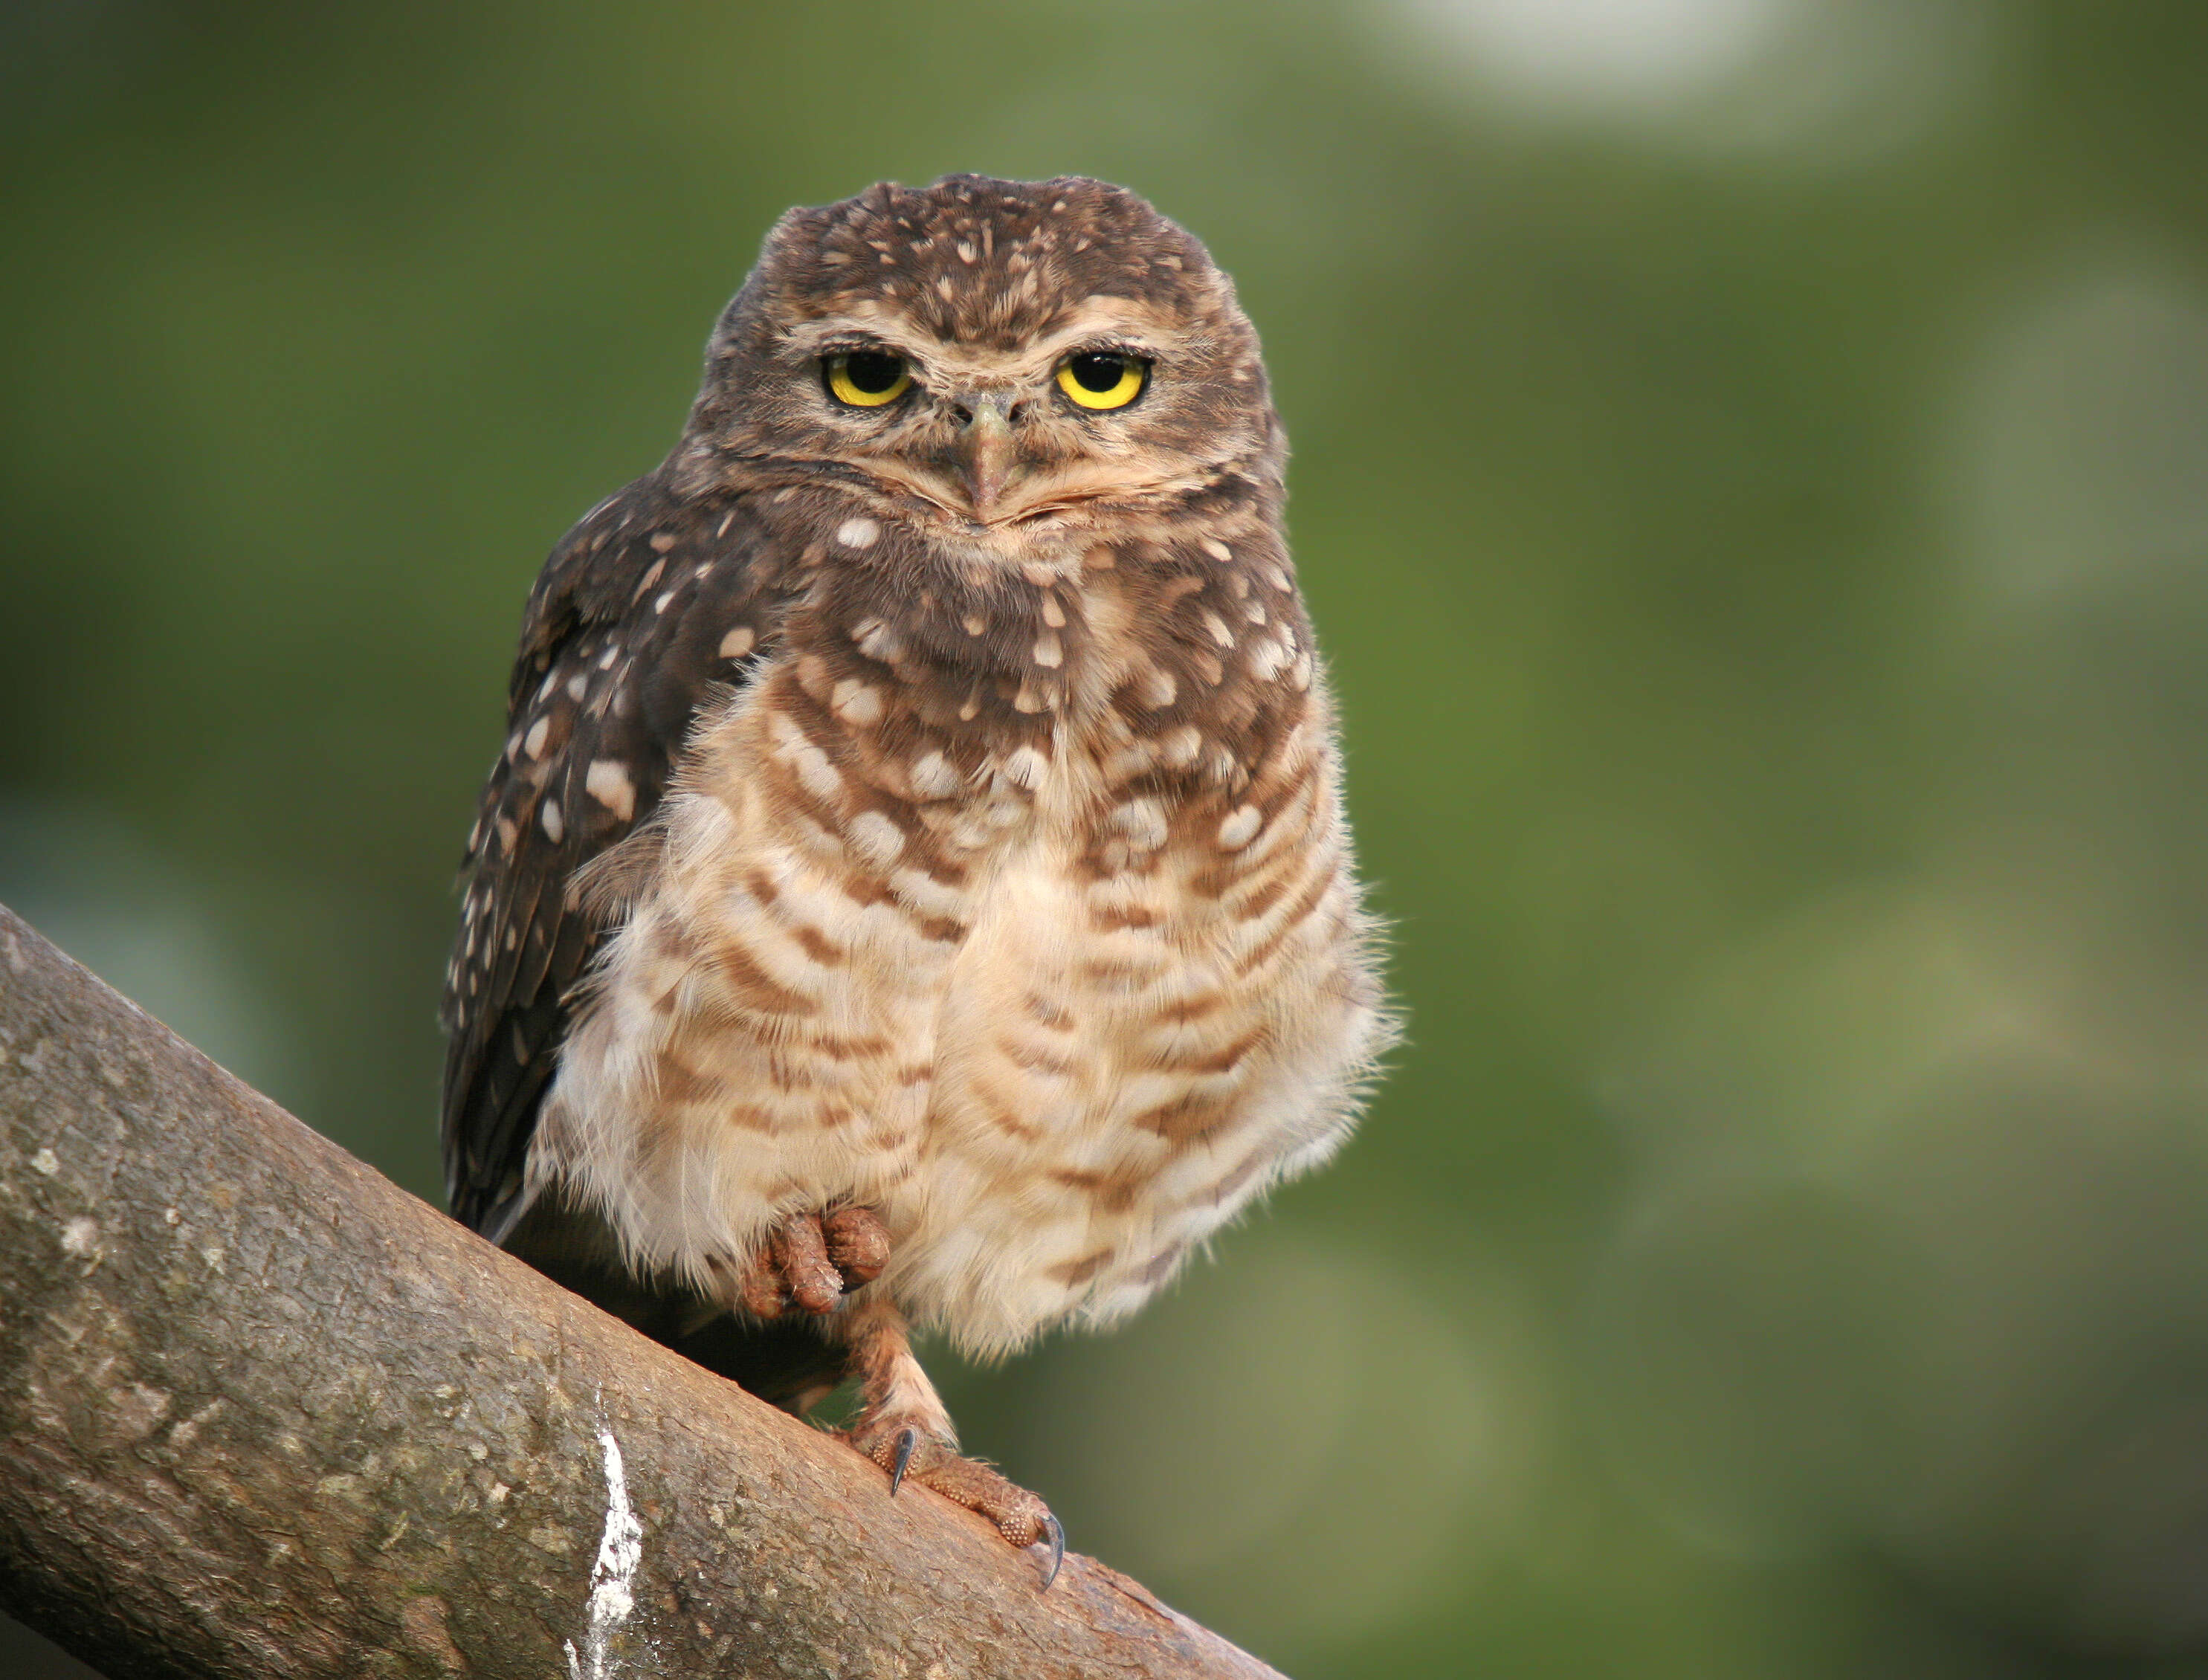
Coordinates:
1002 360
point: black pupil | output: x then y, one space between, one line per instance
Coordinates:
1097 373
872 372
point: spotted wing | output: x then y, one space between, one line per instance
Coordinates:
648 607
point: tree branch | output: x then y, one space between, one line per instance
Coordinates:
264 1414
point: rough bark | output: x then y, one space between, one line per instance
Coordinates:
264 1414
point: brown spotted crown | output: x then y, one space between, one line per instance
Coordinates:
992 263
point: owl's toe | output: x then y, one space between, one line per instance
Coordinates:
911 1453
801 1252
858 1243
810 1261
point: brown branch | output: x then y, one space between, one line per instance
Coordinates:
264 1414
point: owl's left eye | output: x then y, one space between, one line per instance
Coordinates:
867 378
1103 378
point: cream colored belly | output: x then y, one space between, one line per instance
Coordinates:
1051 1090
1103 1102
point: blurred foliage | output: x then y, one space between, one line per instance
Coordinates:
1752 480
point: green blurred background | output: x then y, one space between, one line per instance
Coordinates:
1752 481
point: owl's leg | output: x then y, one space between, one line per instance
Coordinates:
902 1426
810 1261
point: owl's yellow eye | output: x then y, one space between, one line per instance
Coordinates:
867 378
1103 378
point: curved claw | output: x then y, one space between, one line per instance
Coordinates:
1054 1531
908 1440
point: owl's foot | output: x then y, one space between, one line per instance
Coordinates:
902 1427
810 1261
913 1453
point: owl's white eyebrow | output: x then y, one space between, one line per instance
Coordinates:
1111 327
1118 323
851 344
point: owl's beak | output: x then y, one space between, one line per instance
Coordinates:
984 447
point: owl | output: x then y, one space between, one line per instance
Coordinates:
914 895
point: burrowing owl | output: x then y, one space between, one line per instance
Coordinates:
914 893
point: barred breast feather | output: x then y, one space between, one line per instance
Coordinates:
1015 902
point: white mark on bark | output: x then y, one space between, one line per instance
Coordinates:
46 1161
185 1430
81 1237
613 1577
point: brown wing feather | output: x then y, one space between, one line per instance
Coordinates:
653 605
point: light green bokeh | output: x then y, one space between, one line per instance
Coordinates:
1751 477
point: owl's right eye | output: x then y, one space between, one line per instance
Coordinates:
865 378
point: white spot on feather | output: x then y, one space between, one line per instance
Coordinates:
609 784
1239 828
1143 821
1266 659
875 639
858 704
1179 745
815 772
876 838
1155 689
932 778
857 533
1025 767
